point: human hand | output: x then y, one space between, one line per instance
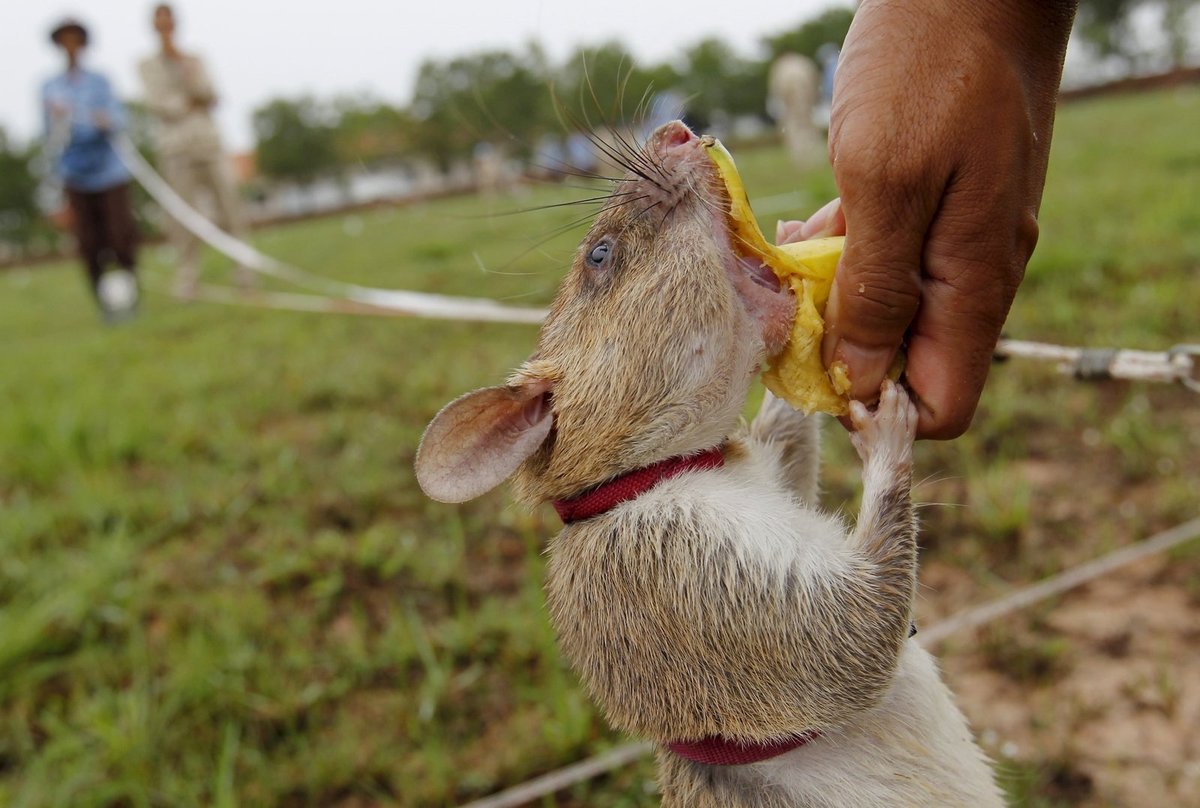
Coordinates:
939 138
101 120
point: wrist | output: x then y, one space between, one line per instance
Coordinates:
1027 39
1036 29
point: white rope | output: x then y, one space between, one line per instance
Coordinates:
417 304
289 301
972 618
565 777
1060 583
1177 365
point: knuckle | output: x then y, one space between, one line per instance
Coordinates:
881 295
887 167
1028 232
972 296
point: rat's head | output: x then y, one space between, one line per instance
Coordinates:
648 351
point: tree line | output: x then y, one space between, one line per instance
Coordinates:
516 97
513 98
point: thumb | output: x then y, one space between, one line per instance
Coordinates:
876 290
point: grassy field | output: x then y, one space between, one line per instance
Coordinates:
219 584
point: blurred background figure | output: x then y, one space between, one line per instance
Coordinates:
793 90
549 161
180 95
581 154
665 106
827 58
80 116
491 172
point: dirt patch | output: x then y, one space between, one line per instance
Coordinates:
1116 709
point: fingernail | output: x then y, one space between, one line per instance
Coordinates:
867 367
821 223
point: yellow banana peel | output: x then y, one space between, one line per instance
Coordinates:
797 374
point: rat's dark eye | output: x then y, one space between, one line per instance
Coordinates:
599 253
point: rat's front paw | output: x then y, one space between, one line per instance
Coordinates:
887 432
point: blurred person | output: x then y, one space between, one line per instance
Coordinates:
939 139
180 95
549 160
581 153
489 169
827 59
81 115
793 90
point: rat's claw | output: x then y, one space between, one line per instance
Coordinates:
895 405
860 416
889 430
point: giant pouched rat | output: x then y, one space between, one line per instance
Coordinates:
703 599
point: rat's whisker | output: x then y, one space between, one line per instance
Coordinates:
594 200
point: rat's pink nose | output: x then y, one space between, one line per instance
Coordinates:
672 134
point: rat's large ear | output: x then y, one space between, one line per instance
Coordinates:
477 441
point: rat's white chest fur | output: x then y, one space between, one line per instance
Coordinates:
751 520
718 603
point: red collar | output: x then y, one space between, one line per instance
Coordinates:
627 486
716 751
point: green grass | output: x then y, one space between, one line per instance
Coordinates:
219 584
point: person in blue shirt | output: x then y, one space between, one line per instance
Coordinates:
81 115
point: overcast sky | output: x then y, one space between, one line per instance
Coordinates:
259 49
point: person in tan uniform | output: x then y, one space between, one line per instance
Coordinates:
181 97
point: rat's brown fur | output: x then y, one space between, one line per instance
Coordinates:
720 602
743 662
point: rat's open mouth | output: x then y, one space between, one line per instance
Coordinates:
759 272
767 301
790 317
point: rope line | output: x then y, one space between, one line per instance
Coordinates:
565 777
1179 364
1014 601
417 304
1061 582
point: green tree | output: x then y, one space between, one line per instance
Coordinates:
296 140
602 85
828 27
718 81
494 96
371 131
21 222
1174 26
1107 25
